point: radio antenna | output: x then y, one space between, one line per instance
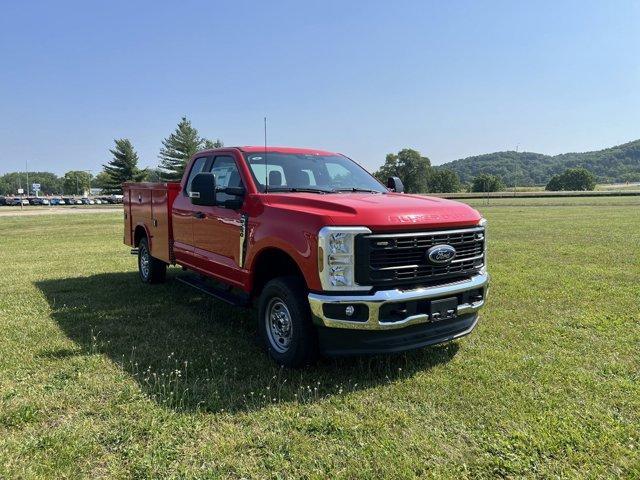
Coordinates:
266 172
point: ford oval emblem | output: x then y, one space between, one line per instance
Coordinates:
441 254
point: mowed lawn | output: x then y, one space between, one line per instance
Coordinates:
101 376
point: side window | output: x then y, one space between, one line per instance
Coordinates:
197 168
227 175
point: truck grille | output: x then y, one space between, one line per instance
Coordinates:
401 258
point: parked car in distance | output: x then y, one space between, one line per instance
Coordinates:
57 201
87 201
39 201
97 201
18 201
3 201
335 262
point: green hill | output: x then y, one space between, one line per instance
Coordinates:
616 164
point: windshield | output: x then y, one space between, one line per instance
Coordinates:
290 172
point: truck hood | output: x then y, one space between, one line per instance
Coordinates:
380 212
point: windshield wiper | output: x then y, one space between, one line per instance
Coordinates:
298 189
356 189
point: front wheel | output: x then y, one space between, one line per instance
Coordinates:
151 269
285 323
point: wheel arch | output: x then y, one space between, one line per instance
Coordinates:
139 233
270 263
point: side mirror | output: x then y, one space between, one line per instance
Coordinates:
203 189
395 184
233 203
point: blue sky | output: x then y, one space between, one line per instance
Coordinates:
450 79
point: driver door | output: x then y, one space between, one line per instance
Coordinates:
217 230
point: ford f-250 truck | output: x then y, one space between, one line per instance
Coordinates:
335 262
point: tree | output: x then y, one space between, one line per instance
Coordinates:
413 169
212 144
122 168
179 147
444 181
49 182
555 184
572 179
487 183
155 175
5 187
76 182
101 180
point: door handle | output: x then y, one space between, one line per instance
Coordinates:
199 215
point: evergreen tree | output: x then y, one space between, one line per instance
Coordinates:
212 144
179 147
123 167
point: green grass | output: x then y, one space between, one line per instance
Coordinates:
101 376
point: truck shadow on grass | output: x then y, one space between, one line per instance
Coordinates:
189 352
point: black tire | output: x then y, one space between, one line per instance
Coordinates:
151 269
292 347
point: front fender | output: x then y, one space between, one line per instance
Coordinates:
294 233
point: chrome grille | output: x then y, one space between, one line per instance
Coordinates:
400 258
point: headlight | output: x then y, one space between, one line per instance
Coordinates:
336 257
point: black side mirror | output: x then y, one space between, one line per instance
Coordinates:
395 184
233 203
203 189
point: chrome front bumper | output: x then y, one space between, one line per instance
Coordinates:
376 300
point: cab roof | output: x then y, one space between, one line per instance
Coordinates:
304 151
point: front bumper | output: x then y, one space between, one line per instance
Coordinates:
395 320
375 301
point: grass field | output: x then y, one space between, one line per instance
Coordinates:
101 376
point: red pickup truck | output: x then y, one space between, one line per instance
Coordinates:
336 263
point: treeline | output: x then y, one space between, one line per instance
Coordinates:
418 176
484 173
74 182
176 150
616 164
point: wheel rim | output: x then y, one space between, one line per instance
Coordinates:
279 325
144 262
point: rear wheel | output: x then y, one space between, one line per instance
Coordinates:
151 269
285 323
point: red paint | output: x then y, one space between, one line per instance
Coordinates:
286 221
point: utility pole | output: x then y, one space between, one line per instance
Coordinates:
515 171
26 163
